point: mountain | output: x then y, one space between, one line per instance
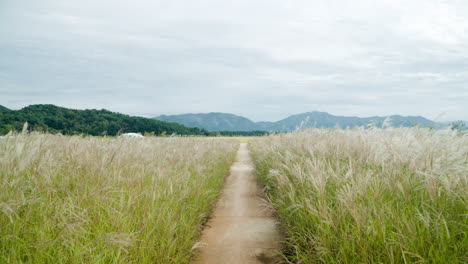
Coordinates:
222 121
212 121
326 120
56 119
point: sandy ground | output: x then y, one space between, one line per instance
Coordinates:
241 229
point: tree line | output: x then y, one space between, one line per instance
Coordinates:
55 119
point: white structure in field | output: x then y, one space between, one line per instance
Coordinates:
132 135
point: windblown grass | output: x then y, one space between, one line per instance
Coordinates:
85 200
369 196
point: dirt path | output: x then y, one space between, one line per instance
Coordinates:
241 230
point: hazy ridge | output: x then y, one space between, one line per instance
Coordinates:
224 121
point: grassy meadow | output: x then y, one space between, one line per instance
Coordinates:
342 196
368 196
85 200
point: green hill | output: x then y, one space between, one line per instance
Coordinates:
212 121
223 121
56 119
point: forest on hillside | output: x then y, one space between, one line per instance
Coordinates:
54 119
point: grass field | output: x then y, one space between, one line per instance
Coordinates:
342 196
368 196
86 200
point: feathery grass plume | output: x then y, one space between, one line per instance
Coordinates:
395 195
86 200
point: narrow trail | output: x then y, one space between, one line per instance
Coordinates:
241 229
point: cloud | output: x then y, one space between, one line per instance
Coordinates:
261 59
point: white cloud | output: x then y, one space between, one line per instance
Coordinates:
264 59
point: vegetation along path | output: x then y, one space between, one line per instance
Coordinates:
241 229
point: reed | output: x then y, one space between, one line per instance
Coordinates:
368 196
87 200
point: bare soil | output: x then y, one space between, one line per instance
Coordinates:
241 229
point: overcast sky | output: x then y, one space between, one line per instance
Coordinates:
261 59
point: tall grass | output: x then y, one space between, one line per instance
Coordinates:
86 200
369 196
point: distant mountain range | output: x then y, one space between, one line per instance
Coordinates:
56 119
223 121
